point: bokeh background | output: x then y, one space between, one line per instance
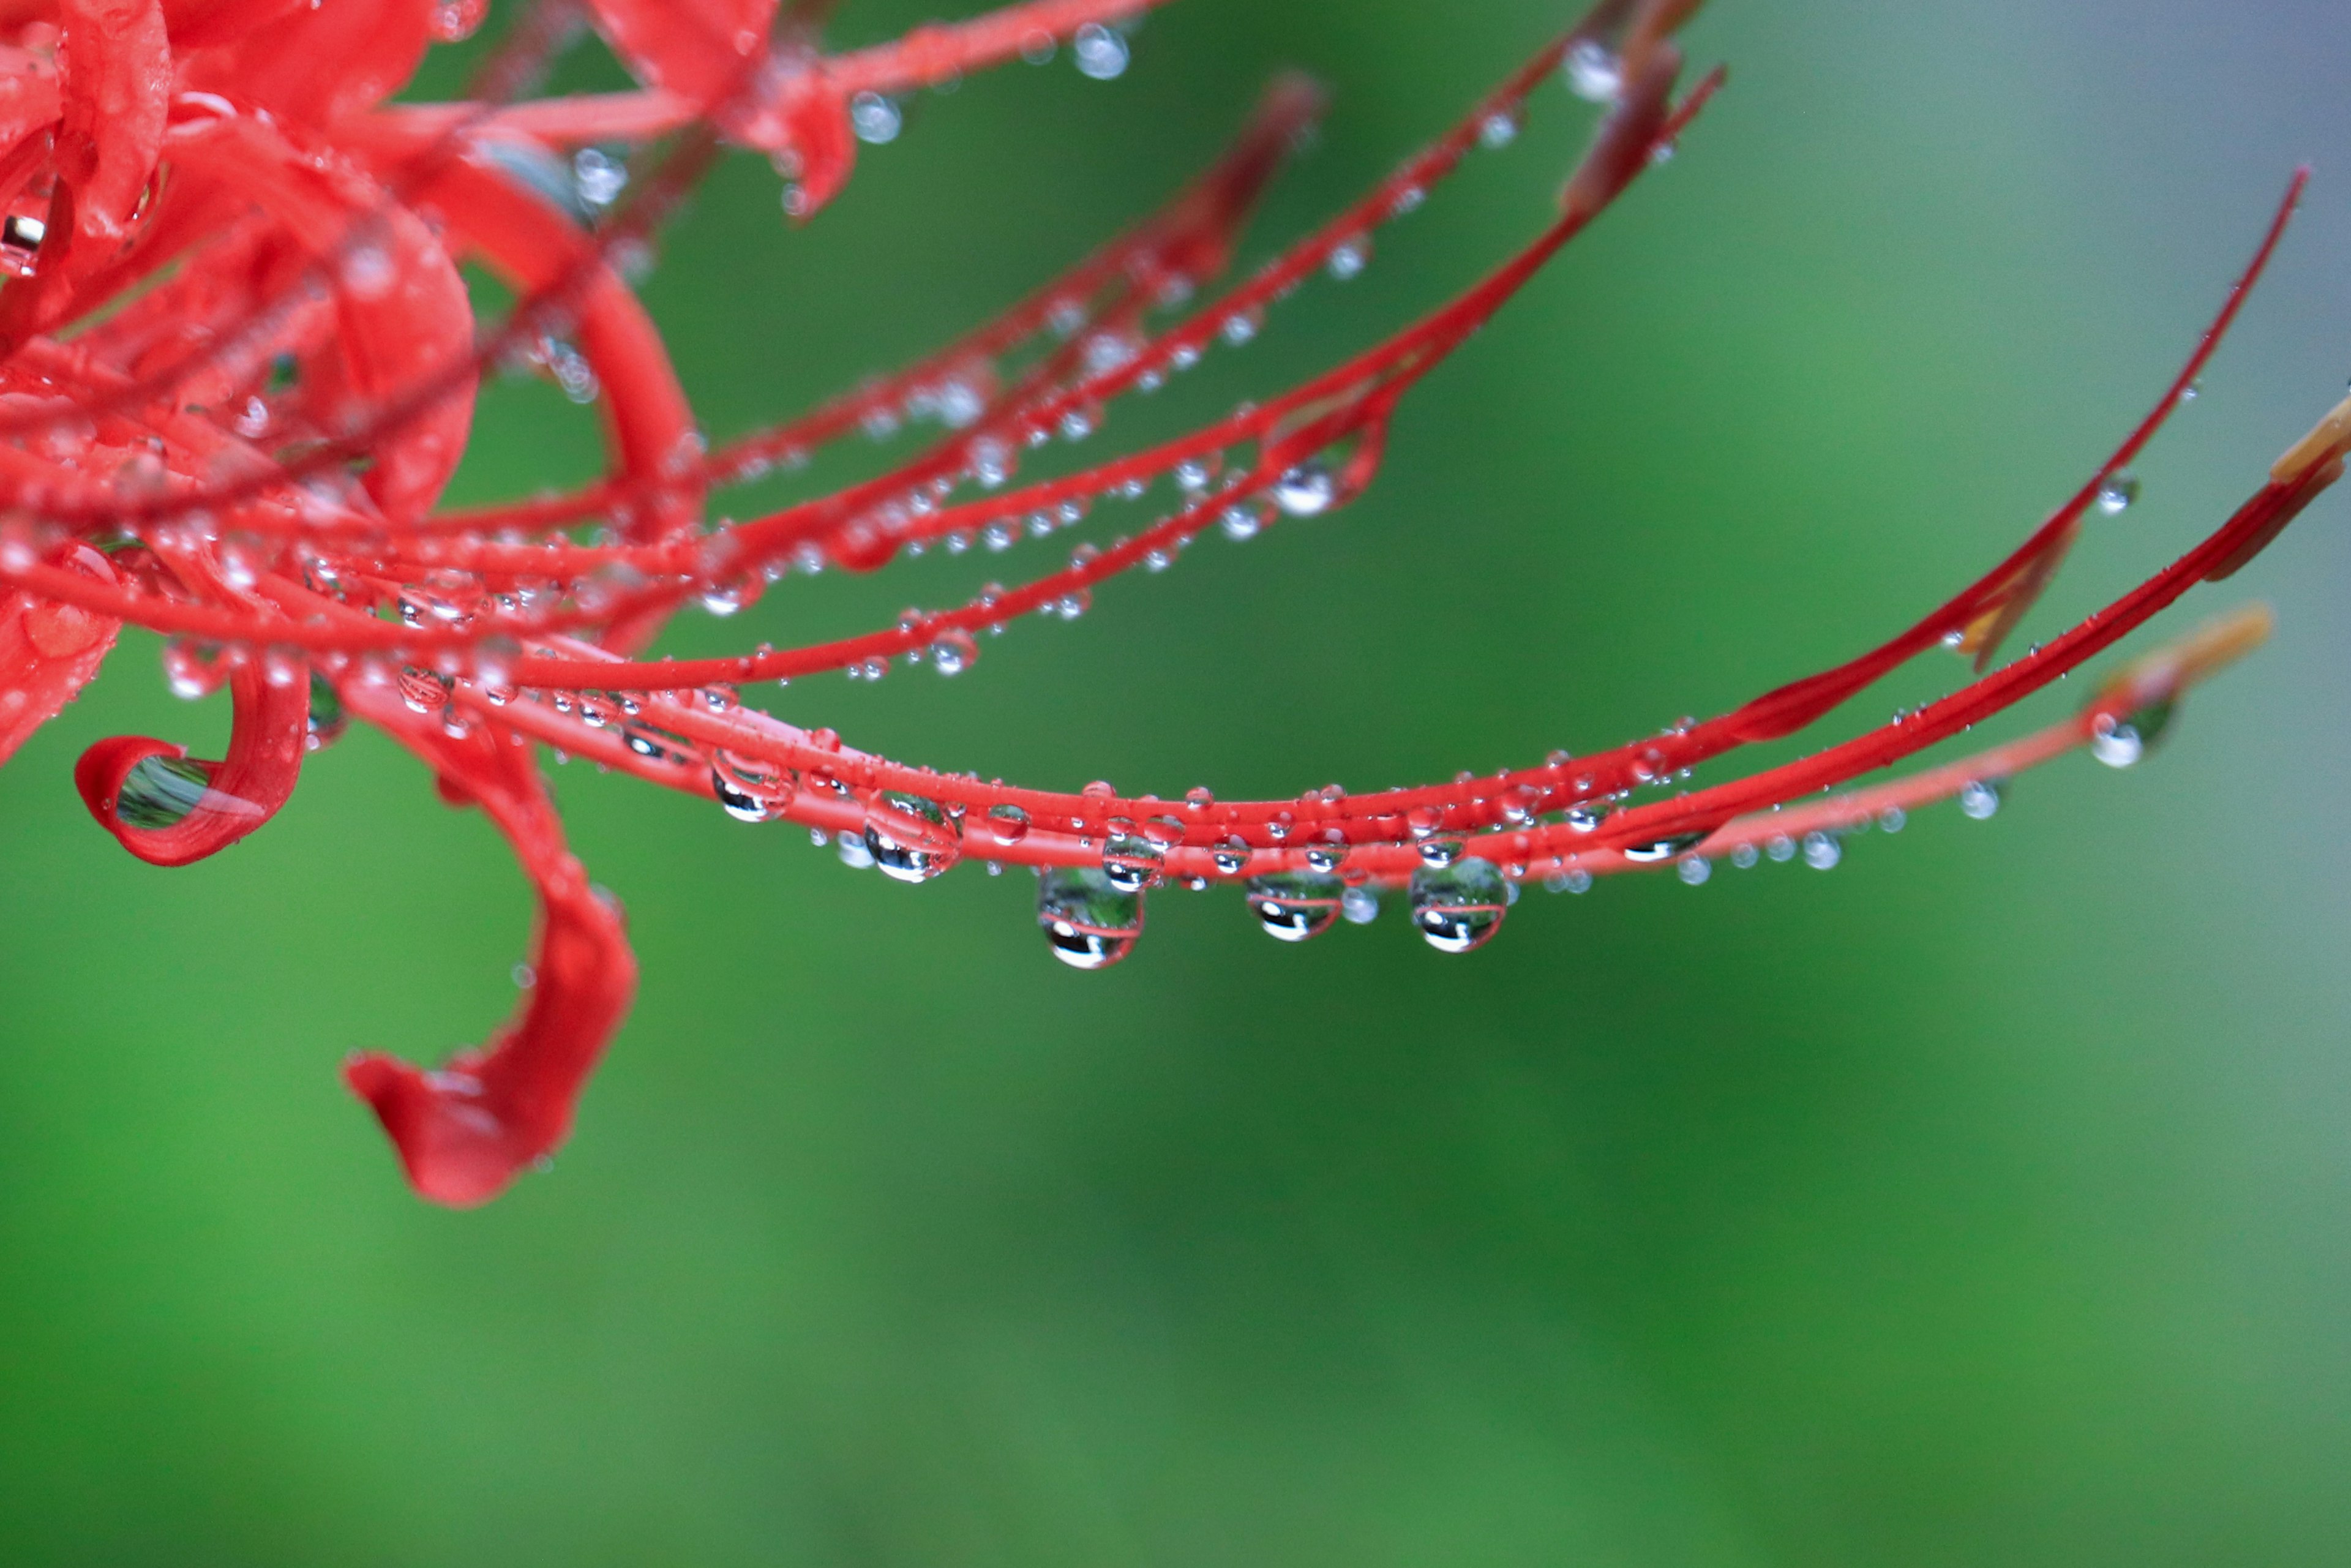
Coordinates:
1986 1200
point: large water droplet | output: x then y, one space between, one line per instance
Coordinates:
598 177
1592 72
1460 906
1100 52
1295 905
1088 924
1980 799
1131 862
2121 742
1307 490
1008 824
910 837
160 792
875 119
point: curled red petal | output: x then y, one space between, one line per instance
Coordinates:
466 1130
242 791
48 650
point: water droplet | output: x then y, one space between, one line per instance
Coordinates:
1744 856
1519 804
453 21
1458 907
2121 742
953 652
1497 130
750 790
1361 906
1348 259
1100 52
1008 824
598 177
327 720
1130 861
875 119
1592 72
1584 819
1980 799
1663 849
1440 852
1295 905
1327 856
161 792
1696 870
853 851
2117 493
1307 490
1231 854
1240 522
1822 850
1088 924
910 836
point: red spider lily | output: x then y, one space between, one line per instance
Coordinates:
237 365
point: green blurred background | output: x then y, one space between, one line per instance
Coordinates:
1987 1200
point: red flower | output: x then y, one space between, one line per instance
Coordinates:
269 378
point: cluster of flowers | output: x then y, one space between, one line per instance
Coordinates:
237 367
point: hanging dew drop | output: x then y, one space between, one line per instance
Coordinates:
1293 907
953 652
1592 72
2115 495
1440 852
1099 52
1980 799
739 805
2121 742
875 119
1822 852
1326 857
1131 862
910 837
1088 922
162 791
1008 824
1458 908
1663 849
1306 490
